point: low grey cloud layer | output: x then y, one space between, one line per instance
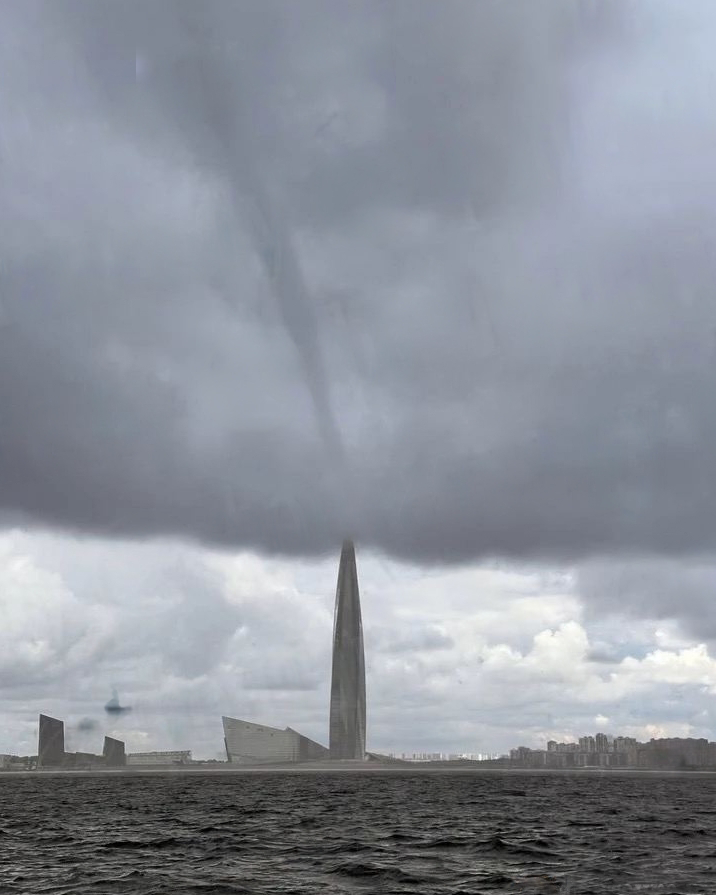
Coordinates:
272 273
654 588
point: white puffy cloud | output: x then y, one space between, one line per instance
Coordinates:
46 632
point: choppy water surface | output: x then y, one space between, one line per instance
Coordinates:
440 833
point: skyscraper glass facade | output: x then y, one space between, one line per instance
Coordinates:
347 715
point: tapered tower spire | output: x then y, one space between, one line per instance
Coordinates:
347 720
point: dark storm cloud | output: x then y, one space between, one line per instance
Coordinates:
654 588
439 276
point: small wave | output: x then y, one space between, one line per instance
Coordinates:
152 843
56 840
497 879
360 870
447 842
498 844
687 834
214 889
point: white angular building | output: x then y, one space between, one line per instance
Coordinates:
249 743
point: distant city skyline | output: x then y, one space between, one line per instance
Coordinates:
252 744
603 750
493 667
249 742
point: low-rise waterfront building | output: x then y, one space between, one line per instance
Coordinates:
161 759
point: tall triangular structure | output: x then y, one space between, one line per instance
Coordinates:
347 718
51 742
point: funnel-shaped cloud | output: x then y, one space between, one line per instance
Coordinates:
487 235
114 707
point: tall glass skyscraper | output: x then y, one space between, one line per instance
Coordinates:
347 720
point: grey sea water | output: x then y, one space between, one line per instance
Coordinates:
438 833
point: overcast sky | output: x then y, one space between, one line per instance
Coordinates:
436 276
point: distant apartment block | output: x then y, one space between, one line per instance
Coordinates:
443 756
676 753
604 751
